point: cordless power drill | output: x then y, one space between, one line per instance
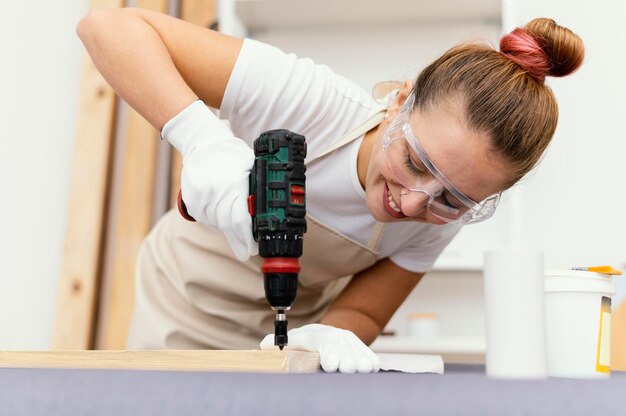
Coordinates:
277 205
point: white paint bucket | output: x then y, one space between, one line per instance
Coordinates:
578 323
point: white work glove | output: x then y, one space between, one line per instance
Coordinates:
214 182
339 349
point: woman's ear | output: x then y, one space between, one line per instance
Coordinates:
400 98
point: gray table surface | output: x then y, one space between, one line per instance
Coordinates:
463 390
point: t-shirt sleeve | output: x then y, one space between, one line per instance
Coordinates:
271 89
420 253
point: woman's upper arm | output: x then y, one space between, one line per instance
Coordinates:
205 58
157 63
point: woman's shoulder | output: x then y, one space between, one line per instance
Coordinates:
270 88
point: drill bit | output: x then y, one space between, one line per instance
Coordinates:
280 329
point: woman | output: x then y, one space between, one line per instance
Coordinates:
387 187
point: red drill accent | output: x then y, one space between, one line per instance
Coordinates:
251 205
297 194
182 208
280 265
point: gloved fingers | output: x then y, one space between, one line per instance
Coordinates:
348 364
367 364
361 358
358 359
360 347
376 368
190 195
224 222
268 342
364 367
239 249
314 336
242 225
339 349
329 360
253 248
335 353
367 361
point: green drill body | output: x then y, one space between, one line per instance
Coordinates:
277 204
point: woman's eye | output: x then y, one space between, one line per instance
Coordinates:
411 165
450 204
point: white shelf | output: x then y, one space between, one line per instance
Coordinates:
281 14
433 345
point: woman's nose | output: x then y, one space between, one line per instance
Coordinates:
413 202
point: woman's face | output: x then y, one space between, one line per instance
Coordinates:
460 153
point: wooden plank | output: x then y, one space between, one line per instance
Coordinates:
82 252
618 338
203 13
198 12
132 221
273 361
176 170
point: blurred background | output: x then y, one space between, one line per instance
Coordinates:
571 207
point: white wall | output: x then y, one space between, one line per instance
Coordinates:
39 80
581 180
573 205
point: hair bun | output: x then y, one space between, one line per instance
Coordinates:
543 48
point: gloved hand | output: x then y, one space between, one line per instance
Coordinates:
214 182
339 349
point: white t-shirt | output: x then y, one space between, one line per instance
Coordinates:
270 89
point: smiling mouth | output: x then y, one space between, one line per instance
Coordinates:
390 204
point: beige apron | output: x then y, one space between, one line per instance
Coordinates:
192 293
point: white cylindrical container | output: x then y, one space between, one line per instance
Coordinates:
423 324
515 314
578 316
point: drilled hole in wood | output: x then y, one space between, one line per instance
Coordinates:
76 286
100 92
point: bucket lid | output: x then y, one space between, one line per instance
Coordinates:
575 273
578 281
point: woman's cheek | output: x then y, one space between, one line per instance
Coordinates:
380 164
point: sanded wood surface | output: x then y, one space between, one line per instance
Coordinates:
131 220
273 361
82 252
618 338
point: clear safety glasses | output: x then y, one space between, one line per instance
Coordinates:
412 168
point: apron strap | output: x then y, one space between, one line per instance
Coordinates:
377 233
357 132
360 130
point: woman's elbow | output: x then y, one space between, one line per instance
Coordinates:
96 21
87 24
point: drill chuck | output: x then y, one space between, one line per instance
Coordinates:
280 325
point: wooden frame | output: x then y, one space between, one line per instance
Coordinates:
272 361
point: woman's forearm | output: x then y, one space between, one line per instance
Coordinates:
362 325
131 56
